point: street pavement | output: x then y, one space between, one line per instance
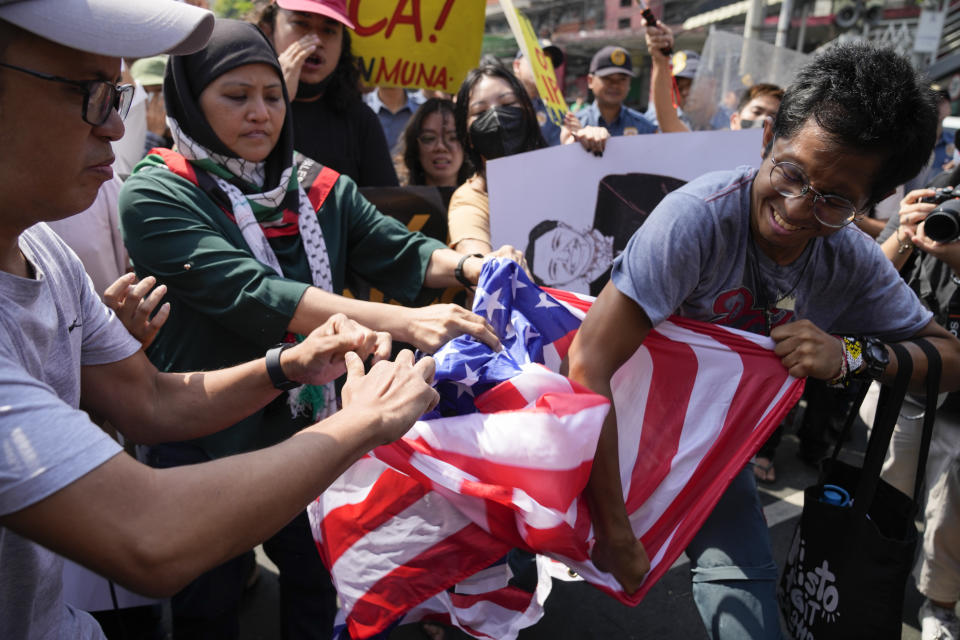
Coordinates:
577 611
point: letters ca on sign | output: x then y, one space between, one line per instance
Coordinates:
428 44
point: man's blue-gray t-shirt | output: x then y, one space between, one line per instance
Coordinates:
694 257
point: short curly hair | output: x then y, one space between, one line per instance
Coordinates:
867 99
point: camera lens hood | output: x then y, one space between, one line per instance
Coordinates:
943 223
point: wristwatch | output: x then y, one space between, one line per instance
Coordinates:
275 371
875 358
458 271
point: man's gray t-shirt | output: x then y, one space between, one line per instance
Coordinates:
49 327
694 257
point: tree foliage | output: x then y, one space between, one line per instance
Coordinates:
233 8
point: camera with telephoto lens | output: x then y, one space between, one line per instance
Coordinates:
943 223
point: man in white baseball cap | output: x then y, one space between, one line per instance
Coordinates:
66 488
128 28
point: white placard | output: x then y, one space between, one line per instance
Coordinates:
598 202
929 27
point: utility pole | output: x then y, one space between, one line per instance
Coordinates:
755 11
783 25
751 30
804 14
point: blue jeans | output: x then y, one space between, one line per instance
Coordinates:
209 607
734 575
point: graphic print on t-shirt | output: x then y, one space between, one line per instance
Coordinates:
738 308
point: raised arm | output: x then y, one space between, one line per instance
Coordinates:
130 523
149 406
612 331
661 79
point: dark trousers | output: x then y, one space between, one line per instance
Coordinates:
827 410
209 607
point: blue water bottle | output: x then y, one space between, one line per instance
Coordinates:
837 496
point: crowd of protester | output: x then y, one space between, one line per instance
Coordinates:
235 203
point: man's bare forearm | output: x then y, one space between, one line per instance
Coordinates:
316 306
946 345
153 530
662 81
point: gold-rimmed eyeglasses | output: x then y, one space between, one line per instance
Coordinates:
790 181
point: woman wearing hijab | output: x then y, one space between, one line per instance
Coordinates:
251 258
331 122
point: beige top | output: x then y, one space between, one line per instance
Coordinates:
469 215
94 235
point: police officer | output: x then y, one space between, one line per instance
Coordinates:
610 72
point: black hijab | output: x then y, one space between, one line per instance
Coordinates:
233 44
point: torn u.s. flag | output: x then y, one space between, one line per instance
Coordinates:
419 528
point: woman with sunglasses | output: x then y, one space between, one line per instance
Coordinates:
252 258
430 152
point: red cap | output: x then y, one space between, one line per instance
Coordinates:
336 9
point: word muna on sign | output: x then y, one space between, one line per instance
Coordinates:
398 72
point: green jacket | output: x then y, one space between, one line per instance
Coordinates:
228 308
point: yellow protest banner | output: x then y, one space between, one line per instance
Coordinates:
540 62
426 44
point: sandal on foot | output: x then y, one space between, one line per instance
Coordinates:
764 470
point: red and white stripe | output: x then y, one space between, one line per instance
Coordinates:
455 494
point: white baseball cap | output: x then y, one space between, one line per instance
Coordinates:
132 28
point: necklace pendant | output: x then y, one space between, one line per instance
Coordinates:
787 303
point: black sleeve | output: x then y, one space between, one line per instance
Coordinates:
376 166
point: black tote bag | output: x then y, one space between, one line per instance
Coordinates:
855 544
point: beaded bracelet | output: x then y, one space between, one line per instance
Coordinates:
852 362
842 376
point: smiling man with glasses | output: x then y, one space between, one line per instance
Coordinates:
770 250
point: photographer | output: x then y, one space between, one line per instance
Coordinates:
931 267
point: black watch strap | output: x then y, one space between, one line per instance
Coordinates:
275 371
458 272
875 358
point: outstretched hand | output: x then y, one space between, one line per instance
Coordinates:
134 303
431 327
320 358
506 251
399 392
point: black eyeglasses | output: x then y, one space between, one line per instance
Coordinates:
791 181
100 96
431 140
